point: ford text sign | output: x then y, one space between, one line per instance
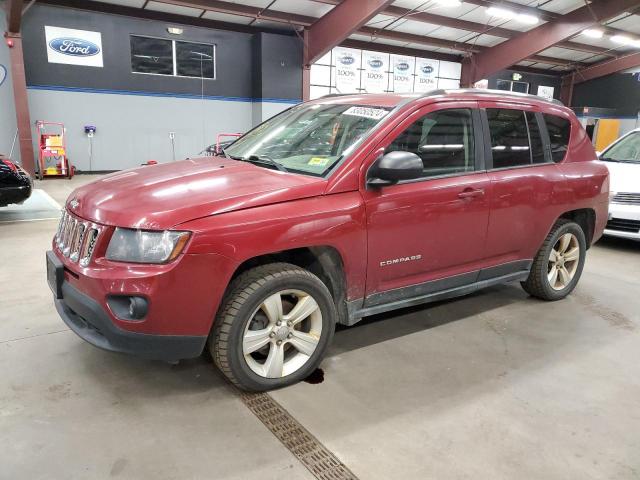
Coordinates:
74 46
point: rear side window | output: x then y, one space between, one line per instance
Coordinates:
442 139
509 137
559 131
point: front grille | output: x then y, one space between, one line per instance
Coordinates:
623 225
626 198
76 238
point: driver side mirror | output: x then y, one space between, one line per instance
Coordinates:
394 167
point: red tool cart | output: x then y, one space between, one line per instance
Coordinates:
52 151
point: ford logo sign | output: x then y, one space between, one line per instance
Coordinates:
375 63
76 47
402 66
427 69
347 60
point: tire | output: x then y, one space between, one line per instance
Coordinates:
541 283
251 306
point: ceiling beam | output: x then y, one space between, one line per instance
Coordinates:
244 11
529 43
288 19
340 22
607 67
539 12
481 28
14 15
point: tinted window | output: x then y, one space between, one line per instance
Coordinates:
443 140
509 137
194 60
151 55
537 147
559 131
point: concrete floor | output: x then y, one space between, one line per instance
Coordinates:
495 385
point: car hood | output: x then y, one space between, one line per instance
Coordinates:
162 196
624 177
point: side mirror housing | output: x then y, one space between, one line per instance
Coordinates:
394 167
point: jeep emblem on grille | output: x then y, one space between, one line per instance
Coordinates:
74 203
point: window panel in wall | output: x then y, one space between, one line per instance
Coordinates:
151 55
195 60
320 75
509 138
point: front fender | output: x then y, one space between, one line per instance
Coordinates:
336 220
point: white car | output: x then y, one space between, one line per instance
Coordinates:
622 158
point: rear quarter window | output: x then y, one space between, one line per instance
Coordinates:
559 132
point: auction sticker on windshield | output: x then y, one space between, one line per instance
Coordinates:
366 112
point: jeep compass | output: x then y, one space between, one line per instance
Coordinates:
333 210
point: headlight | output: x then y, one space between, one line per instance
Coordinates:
611 195
140 246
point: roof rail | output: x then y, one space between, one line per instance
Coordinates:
486 91
477 91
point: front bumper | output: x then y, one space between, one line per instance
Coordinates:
89 320
624 221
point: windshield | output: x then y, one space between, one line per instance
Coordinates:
307 139
626 150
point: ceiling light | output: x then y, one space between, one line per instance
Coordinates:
501 13
622 40
511 15
449 3
526 18
593 33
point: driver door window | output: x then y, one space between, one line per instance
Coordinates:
443 140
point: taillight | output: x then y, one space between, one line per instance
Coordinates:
11 165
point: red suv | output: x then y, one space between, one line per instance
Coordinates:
333 210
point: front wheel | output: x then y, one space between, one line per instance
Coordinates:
273 327
558 265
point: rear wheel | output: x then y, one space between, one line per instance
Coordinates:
558 265
273 328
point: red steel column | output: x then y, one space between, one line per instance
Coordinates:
23 120
566 89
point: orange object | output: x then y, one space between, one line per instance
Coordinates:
52 151
608 131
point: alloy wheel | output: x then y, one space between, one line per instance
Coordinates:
563 261
282 334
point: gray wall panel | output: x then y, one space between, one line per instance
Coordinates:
132 129
7 107
233 52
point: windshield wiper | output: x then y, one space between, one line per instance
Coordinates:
265 161
608 159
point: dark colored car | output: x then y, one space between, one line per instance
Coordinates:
333 210
15 183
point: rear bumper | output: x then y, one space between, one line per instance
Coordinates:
90 322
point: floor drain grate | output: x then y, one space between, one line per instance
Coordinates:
323 464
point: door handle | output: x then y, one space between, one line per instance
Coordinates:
471 193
